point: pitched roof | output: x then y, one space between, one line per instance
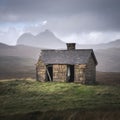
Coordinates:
78 56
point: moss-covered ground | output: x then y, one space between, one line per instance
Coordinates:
24 96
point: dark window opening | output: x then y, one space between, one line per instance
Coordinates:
49 73
70 73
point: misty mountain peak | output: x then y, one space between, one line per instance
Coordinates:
26 35
25 38
46 33
41 40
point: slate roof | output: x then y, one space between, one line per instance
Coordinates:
78 56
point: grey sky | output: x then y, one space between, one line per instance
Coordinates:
69 19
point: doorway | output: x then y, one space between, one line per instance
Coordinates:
49 73
70 73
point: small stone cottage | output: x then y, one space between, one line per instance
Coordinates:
71 65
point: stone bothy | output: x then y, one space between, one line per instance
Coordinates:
71 65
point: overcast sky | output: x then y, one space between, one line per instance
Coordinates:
81 21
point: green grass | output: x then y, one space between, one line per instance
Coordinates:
23 96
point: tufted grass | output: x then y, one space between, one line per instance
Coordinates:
24 96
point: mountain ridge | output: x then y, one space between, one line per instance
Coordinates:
42 39
112 44
108 58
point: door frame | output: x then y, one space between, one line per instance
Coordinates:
49 73
70 73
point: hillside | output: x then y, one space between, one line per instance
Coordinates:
18 61
22 98
26 39
22 59
16 67
19 51
112 44
45 39
108 59
4 46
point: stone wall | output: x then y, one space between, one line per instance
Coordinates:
85 74
79 73
40 71
59 73
90 72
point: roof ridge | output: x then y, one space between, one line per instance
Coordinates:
66 50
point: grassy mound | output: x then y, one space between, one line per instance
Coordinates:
24 96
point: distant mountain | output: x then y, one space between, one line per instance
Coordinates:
18 61
44 40
108 59
47 40
26 39
113 44
3 46
19 51
108 55
22 58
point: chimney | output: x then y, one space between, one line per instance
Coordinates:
70 46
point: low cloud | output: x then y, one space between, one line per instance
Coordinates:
9 35
92 20
92 37
44 22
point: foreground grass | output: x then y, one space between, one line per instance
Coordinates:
23 96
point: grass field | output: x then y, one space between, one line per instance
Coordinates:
25 96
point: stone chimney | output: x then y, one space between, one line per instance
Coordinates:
70 46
